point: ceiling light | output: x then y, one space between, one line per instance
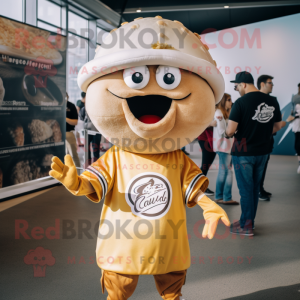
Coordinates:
226 6
138 10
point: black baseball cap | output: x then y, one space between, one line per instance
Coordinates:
244 76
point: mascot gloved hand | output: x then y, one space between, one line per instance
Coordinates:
67 175
212 214
150 90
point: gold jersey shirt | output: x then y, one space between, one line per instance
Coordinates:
143 222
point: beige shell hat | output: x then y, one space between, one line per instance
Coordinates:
153 41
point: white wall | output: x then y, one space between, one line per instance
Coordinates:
275 51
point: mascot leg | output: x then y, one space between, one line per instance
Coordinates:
169 285
118 286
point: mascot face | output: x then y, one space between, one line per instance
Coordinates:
150 109
154 92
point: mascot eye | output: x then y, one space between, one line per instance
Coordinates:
168 77
136 78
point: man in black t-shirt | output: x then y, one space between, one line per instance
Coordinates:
71 122
253 119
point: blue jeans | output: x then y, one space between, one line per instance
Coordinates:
248 172
224 179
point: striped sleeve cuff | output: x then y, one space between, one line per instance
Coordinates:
191 186
200 181
101 180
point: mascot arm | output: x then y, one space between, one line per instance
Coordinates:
212 214
66 173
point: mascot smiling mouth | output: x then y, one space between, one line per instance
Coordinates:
162 111
150 116
149 109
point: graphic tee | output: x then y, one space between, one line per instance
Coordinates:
143 221
71 113
255 114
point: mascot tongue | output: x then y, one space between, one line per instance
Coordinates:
149 119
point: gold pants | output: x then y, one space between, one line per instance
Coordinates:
122 286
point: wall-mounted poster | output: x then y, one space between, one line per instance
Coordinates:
32 101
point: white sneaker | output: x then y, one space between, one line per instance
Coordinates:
298 170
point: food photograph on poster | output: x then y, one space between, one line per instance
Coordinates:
32 99
149 150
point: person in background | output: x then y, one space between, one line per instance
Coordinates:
222 147
71 122
296 123
205 141
265 85
2 90
253 119
296 130
93 140
80 103
296 99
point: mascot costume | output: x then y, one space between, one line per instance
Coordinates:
151 89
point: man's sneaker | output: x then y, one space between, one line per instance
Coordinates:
264 192
237 224
236 229
298 170
209 192
263 197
